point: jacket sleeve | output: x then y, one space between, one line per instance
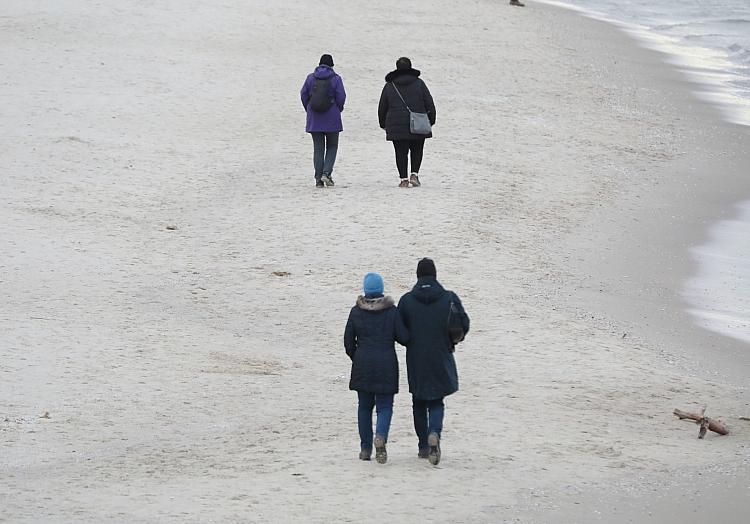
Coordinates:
429 104
464 316
402 334
304 93
350 337
340 93
383 107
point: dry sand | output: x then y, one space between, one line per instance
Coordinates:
189 378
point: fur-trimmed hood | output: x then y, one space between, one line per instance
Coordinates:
375 304
403 76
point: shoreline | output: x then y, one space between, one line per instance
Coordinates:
696 192
640 276
711 82
191 373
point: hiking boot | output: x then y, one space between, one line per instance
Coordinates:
516 3
404 182
319 183
434 455
423 453
381 455
327 180
414 180
365 454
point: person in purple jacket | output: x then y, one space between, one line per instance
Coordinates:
323 98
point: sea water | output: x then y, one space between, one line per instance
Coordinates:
720 289
709 41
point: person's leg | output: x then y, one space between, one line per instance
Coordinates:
364 419
332 147
419 410
319 147
436 410
401 148
417 149
384 405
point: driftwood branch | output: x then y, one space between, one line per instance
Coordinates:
704 422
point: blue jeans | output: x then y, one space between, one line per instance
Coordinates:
384 404
325 147
428 417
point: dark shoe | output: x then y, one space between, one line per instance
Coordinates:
327 180
319 183
516 3
423 453
414 180
404 182
381 455
365 454
434 441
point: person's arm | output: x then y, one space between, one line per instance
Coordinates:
304 93
350 337
402 334
383 107
464 317
340 93
429 104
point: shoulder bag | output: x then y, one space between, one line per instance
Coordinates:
419 123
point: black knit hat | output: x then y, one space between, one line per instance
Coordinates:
403 63
426 268
326 60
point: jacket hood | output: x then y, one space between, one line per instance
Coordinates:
375 304
324 71
403 76
427 290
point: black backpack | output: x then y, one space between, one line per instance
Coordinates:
320 100
455 324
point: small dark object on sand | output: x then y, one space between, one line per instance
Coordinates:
516 3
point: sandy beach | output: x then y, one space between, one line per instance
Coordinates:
175 289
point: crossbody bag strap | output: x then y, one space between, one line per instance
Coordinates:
401 97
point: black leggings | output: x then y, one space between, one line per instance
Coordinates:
402 148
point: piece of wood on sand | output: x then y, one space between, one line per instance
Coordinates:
704 422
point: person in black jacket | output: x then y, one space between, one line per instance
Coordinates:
373 326
404 88
429 354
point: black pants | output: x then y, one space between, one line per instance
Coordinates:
402 148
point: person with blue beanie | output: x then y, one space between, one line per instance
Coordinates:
373 327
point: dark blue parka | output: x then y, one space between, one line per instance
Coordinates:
429 353
373 326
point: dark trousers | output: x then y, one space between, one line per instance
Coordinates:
428 417
325 147
384 404
402 149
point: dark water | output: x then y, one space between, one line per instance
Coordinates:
708 40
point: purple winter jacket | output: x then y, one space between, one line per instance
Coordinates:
330 121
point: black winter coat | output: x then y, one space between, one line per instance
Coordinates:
392 112
429 353
373 326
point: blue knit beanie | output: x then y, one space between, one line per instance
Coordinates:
373 284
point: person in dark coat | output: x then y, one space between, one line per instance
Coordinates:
429 354
373 326
394 117
324 126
